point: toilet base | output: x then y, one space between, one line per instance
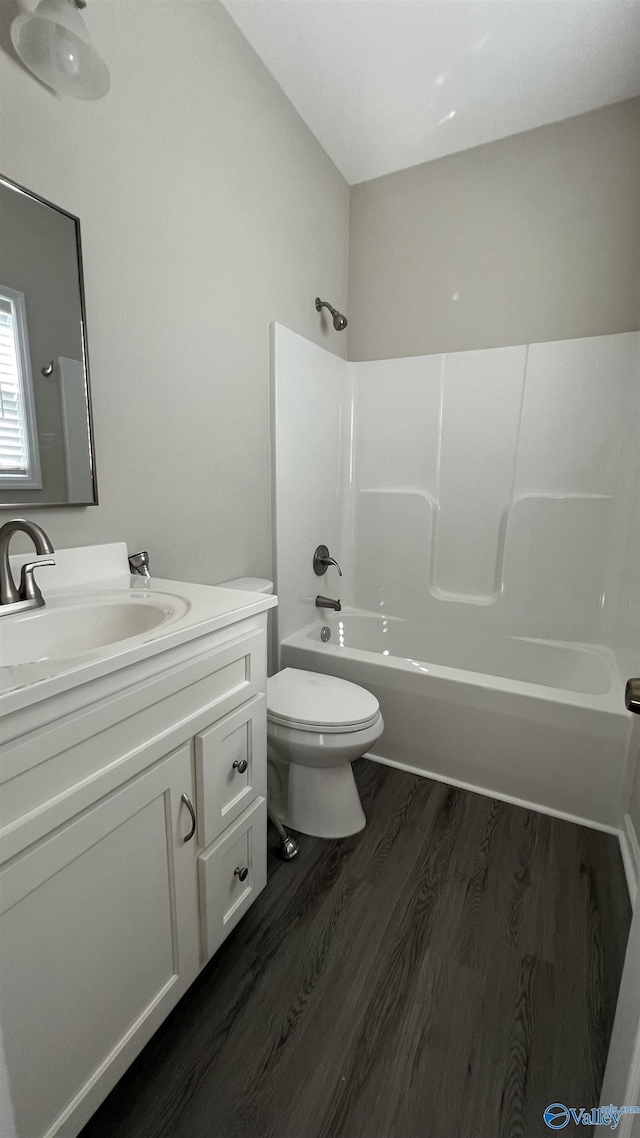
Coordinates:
322 801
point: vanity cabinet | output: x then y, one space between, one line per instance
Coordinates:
99 939
111 898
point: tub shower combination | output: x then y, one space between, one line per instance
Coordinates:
534 722
483 506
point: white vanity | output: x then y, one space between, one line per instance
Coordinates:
132 816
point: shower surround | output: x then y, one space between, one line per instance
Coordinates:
484 508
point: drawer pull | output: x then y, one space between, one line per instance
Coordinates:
240 765
187 801
241 873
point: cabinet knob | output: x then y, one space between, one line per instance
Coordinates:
241 873
240 765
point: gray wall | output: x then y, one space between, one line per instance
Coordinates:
208 209
535 237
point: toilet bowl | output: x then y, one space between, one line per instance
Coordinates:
317 725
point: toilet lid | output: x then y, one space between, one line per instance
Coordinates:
314 701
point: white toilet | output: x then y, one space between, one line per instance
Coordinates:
317 725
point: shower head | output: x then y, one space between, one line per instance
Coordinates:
339 321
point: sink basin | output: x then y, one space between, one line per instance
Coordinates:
71 627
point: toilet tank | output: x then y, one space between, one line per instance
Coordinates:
258 585
248 584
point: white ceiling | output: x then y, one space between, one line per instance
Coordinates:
385 84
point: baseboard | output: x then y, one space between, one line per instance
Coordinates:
630 850
592 825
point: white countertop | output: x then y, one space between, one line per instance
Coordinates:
200 609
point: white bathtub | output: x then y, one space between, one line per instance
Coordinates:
536 722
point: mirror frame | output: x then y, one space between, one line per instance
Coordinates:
85 360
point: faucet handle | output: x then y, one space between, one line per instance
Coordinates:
29 590
322 560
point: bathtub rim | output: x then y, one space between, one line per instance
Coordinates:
611 702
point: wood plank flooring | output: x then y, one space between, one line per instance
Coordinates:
447 973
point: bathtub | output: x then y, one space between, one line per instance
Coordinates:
539 723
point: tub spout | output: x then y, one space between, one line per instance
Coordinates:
327 603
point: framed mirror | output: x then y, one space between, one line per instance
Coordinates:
46 436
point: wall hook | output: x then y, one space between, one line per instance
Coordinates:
48 369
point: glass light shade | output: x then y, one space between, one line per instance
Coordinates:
53 42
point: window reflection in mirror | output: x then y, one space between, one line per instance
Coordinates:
19 450
46 452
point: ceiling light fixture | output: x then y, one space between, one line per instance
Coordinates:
54 43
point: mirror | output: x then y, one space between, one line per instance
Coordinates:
46 439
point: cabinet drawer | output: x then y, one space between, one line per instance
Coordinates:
231 768
224 897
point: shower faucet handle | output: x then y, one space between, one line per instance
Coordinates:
322 560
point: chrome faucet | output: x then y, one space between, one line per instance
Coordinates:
327 603
26 595
139 564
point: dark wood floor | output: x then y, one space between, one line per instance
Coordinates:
447 973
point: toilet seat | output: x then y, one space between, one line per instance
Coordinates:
312 701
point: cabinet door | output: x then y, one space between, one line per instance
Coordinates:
99 939
231 873
231 768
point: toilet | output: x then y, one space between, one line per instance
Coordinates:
317 726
